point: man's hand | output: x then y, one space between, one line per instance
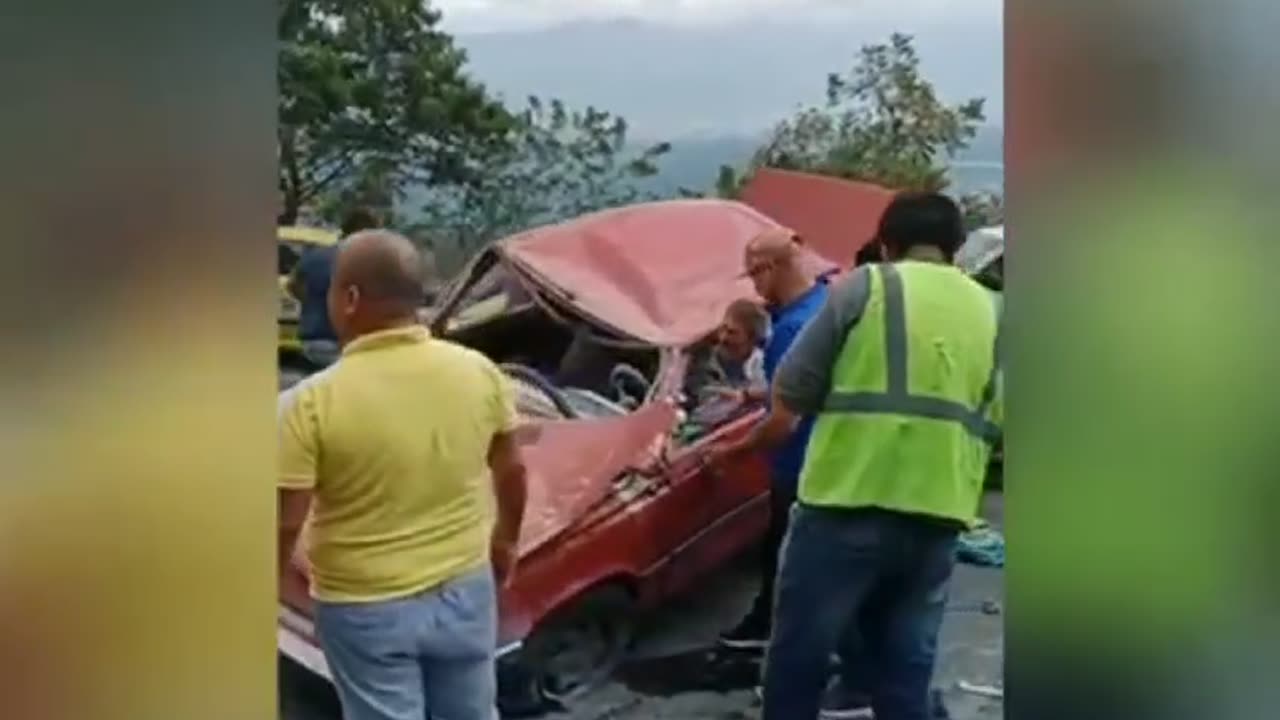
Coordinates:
293 507
503 556
300 560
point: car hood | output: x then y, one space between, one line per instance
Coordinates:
572 465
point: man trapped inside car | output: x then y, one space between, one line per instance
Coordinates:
390 448
738 357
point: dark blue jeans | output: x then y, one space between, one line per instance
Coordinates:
890 571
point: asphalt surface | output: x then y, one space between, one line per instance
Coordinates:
667 678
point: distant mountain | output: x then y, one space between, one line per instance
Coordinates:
730 80
694 162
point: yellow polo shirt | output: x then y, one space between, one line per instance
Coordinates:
393 442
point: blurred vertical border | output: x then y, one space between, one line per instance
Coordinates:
1141 447
137 384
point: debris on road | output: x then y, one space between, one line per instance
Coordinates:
989 691
986 607
982 545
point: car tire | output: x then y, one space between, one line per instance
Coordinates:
578 648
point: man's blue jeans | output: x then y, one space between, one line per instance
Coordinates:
838 565
425 656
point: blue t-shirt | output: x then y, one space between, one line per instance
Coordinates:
787 322
315 269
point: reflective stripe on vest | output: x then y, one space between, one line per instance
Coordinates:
896 400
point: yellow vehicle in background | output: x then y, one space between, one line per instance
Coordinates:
292 242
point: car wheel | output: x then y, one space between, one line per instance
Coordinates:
579 648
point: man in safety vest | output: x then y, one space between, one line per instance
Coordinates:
900 369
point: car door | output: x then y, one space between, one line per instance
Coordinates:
711 513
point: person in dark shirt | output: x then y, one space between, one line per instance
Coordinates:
309 283
792 296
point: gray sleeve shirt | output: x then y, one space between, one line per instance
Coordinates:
803 379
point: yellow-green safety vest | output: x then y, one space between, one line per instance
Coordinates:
915 403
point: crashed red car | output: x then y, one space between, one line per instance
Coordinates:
604 324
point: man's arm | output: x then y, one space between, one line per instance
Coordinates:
757 388
293 506
770 432
298 439
507 470
803 378
510 491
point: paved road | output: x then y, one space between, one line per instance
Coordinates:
656 685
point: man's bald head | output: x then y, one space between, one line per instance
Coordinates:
774 245
377 283
772 261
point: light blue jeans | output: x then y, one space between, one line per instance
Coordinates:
425 656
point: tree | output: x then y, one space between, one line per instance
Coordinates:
373 97
881 122
557 163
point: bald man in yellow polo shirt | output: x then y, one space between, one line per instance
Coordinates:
392 451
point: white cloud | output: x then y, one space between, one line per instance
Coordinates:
482 15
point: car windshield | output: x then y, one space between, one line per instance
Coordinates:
561 364
495 292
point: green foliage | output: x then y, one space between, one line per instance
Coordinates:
881 122
373 97
729 183
557 163
375 106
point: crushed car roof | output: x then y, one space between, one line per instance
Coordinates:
661 272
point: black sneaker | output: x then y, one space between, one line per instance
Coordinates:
840 703
750 634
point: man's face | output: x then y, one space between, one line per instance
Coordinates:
735 342
761 270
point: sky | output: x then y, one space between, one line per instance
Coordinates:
489 15
694 67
